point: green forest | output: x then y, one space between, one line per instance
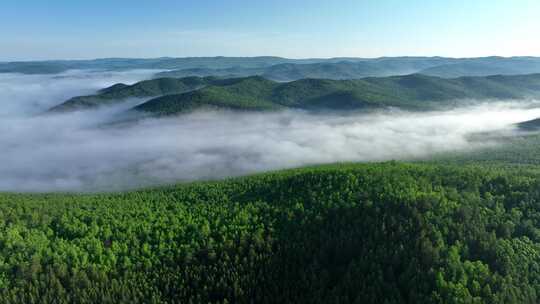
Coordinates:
172 96
344 233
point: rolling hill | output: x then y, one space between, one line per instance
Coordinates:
355 69
321 70
414 92
120 91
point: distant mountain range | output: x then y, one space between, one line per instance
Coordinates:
441 67
337 68
284 69
414 92
164 63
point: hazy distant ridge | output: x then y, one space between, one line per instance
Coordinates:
285 69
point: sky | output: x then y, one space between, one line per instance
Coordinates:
67 29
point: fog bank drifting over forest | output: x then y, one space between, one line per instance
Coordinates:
81 151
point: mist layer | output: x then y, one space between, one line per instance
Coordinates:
83 151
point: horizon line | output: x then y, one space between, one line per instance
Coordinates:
264 56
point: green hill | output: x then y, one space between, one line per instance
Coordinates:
337 68
416 92
377 233
293 71
380 67
120 91
249 93
234 72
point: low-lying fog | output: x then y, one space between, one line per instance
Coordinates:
82 152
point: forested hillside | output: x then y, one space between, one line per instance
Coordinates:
511 151
371 233
120 92
380 67
413 92
328 69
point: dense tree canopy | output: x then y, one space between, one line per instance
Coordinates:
171 96
373 233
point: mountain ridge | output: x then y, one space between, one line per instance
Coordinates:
247 66
120 91
415 91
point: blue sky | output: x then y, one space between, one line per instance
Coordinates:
71 29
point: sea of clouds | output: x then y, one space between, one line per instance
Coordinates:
87 151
